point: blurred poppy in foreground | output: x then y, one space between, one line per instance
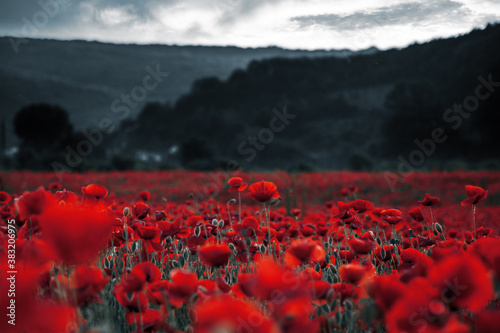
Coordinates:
76 234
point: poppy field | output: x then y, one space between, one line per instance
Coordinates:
213 252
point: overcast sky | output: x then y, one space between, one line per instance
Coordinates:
297 24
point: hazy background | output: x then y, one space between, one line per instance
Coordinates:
200 84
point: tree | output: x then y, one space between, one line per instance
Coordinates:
42 125
44 131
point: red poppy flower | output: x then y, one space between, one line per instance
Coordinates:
417 312
361 246
149 320
236 184
66 196
33 203
263 191
488 249
360 205
346 216
392 216
248 227
388 252
4 197
463 282
416 214
302 251
150 271
147 232
184 284
429 201
77 235
414 264
140 210
95 191
385 290
86 283
214 255
144 195
474 194
131 283
158 292
136 302
272 280
352 273
345 291
228 314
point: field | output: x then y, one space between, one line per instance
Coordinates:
181 251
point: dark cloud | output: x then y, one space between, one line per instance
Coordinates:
406 13
68 13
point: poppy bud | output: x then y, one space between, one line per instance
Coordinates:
330 240
438 227
126 211
214 222
379 241
317 268
348 305
231 246
179 246
338 317
275 201
221 224
181 261
232 201
329 296
248 241
175 264
382 253
262 248
410 231
327 259
333 269
133 246
197 231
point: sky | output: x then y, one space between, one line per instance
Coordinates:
293 24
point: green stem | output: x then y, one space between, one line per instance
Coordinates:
474 222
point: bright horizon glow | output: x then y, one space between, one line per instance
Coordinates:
291 24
